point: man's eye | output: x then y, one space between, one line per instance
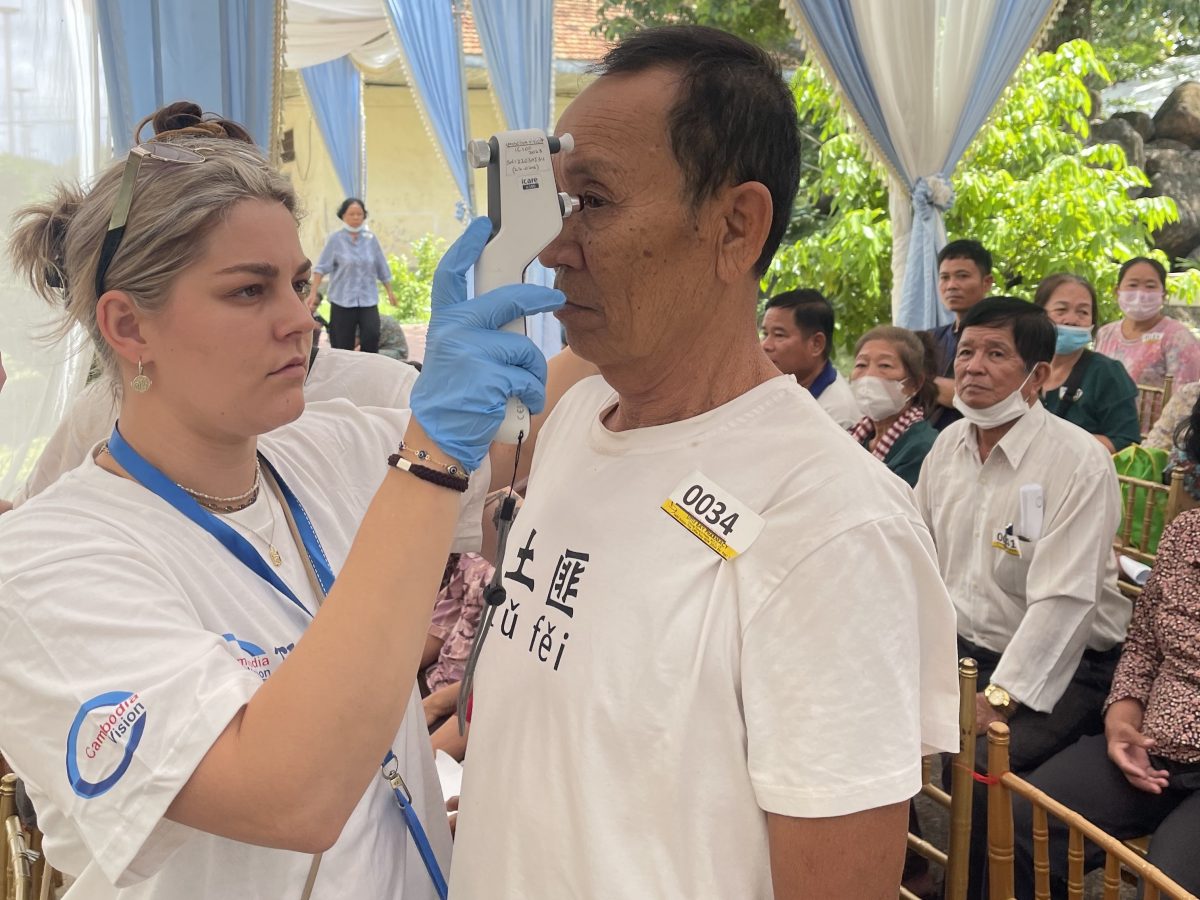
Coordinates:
591 201
303 287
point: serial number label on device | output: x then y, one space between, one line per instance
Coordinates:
725 524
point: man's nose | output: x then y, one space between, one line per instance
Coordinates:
563 250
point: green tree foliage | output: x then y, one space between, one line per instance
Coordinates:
1130 36
1029 188
761 21
412 279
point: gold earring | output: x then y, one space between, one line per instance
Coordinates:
141 381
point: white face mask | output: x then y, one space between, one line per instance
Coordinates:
353 229
1011 407
1140 305
878 398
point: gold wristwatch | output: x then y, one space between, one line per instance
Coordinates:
1000 700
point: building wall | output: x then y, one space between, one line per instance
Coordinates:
410 191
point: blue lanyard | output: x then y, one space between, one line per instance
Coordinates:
153 480
149 477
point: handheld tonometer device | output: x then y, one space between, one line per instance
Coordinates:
527 214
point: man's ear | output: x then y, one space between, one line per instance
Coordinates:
817 341
1038 377
120 324
746 213
988 283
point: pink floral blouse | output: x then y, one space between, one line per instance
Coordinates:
456 618
1169 348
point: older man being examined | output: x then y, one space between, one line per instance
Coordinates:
688 692
1023 506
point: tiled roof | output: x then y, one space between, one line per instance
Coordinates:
573 38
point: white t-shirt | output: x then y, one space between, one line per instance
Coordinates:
129 639
365 379
641 703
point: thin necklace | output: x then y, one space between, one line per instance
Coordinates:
228 504
232 505
272 553
208 501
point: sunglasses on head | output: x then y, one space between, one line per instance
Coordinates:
159 150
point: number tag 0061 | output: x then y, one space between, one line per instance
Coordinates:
721 521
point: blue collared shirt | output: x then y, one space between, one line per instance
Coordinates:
353 268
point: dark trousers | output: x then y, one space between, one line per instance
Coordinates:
1083 778
345 320
1033 737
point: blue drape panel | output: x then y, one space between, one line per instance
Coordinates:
428 40
518 46
1015 25
832 23
219 53
335 95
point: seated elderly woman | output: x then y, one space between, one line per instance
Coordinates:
1086 388
1143 774
892 387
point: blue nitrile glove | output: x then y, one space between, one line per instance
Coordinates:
470 368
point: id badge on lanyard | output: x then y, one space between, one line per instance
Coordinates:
321 576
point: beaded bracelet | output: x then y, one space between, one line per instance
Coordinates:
433 476
422 458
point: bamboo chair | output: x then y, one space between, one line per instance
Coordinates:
958 801
24 872
1169 499
1151 401
1002 785
16 875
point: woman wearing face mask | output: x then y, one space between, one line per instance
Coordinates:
892 388
1086 388
354 262
1149 344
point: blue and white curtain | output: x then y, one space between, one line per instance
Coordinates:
223 54
427 34
518 47
921 77
335 95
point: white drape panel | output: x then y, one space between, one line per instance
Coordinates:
921 76
922 58
321 30
56 131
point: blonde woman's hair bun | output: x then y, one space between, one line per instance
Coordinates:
183 118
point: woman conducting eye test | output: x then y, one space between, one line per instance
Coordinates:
211 628
1086 388
893 388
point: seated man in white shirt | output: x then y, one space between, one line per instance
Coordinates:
1023 507
797 334
724 642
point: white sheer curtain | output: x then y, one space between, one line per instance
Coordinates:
53 130
920 77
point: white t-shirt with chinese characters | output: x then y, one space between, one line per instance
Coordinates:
129 638
365 379
642 703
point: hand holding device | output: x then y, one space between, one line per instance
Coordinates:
472 368
526 212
